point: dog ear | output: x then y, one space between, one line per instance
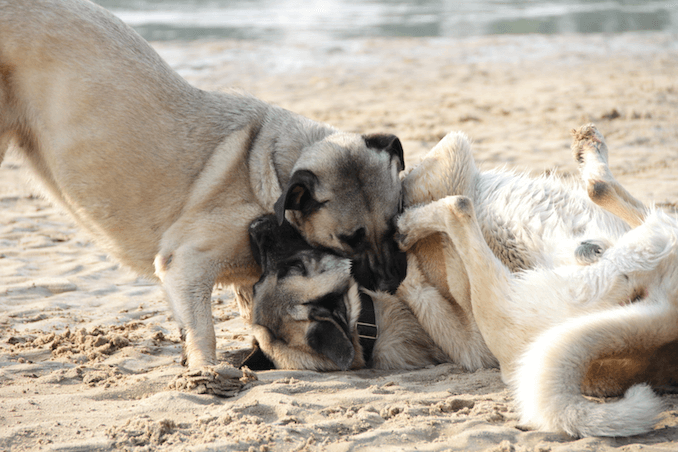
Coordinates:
328 339
388 143
299 194
261 237
257 360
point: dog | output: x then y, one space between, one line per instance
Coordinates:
167 177
566 297
308 312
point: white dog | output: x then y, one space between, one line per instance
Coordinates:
557 282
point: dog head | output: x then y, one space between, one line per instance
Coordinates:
343 194
306 303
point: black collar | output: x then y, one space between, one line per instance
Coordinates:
367 327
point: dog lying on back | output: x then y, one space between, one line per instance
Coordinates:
543 276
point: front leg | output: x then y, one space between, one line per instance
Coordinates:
489 280
188 276
436 287
196 252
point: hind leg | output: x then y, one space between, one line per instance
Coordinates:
590 151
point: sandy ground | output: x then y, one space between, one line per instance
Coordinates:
89 352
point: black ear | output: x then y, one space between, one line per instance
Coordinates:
261 237
328 339
257 360
388 143
299 194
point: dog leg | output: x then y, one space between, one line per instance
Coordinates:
454 216
590 151
417 223
188 280
489 279
445 320
194 255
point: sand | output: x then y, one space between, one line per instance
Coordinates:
89 352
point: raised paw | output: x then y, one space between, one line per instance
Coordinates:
590 152
222 380
460 206
403 242
410 227
590 251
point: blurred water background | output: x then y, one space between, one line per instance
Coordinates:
323 21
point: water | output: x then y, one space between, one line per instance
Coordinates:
322 21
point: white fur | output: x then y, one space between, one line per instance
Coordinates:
516 237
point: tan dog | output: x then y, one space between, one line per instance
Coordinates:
308 313
461 283
168 177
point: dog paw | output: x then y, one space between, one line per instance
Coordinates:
590 251
403 241
590 152
460 206
222 380
408 228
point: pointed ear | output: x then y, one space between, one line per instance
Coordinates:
257 360
388 143
298 195
328 339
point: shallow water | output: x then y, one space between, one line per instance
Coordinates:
323 21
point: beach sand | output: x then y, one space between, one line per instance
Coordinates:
88 351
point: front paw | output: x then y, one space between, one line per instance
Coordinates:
403 242
222 380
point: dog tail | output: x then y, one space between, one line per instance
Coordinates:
547 381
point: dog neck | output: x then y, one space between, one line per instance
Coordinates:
367 327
